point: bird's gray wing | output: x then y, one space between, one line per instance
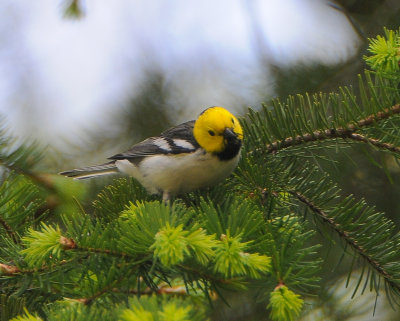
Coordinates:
176 140
183 131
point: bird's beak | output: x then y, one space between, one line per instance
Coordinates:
229 133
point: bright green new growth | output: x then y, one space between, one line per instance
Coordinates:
42 246
232 260
170 245
284 304
202 245
152 309
171 312
385 52
136 314
26 317
173 244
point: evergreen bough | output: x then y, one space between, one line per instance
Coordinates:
135 258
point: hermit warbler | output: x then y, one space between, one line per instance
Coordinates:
192 155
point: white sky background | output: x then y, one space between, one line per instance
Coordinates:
59 77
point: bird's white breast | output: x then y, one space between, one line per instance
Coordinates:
179 173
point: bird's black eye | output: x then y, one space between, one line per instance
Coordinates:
211 133
233 121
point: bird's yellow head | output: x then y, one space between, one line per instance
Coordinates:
216 129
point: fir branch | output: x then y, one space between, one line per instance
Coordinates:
21 160
100 251
375 142
9 230
90 299
13 270
8 269
344 132
161 290
348 239
209 277
45 267
108 288
43 180
140 260
379 116
70 244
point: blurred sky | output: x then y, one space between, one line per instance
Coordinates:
59 77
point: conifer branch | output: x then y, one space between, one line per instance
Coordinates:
206 276
12 269
172 290
375 142
161 290
8 269
42 180
70 244
45 267
348 238
379 116
9 230
90 299
345 132
100 251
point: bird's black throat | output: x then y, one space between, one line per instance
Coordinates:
232 148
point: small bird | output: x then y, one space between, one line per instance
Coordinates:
187 157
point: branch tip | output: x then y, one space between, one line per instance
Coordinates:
8 269
66 243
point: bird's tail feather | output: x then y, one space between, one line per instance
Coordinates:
91 171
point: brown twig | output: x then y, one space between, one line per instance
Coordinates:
12 269
43 179
375 142
8 269
90 299
347 237
174 290
382 115
70 244
206 276
9 230
101 251
346 132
